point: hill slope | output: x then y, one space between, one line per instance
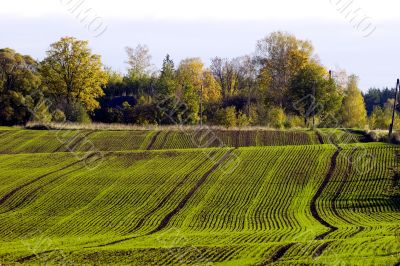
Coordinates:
235 206
44 141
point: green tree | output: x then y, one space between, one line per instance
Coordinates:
354 114
19 87
193 82
72 73
313 93
378 119
166 85
381 118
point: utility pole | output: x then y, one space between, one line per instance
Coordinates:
248 102
394 110
315 104
201 106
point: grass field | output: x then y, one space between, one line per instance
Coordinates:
158 198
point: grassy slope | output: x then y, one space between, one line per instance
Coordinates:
14 141
168 207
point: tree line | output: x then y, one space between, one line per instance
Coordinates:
282 84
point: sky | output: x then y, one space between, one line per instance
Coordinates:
361 37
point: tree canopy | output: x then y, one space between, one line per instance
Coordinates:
19 87
354 114
72 72
281 84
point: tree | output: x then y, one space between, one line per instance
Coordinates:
282 55
19 87
139 61
193 82
372 98
378 97
247 80
189 82
226 73
381 118
72 73
211 88
378 119
354 114
190 72
226 117
276 117
166 85
313 93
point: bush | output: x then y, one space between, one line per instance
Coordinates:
226 117
40 113
243 120
276 117
77 113
58 116
253 114
294 121
145 114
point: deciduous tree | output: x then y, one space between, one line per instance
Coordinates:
72 72
282 55
354 114
19 87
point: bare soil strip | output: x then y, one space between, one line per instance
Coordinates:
341 187
318 252
320 249
153 140
360 229
319 137
165 140
313 205
26 258
278 254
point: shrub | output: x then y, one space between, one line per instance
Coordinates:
243 120
253 114
41 113
294 121
276 117
226 117
379 119
77 113
58 116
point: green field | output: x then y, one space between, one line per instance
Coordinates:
172 198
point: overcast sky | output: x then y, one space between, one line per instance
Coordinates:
359 36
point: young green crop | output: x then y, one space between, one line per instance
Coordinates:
181 206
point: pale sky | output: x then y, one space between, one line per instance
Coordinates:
359 36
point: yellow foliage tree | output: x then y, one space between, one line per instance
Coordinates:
71 71
354 114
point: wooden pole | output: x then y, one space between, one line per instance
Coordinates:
201 107
315 103
394 110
